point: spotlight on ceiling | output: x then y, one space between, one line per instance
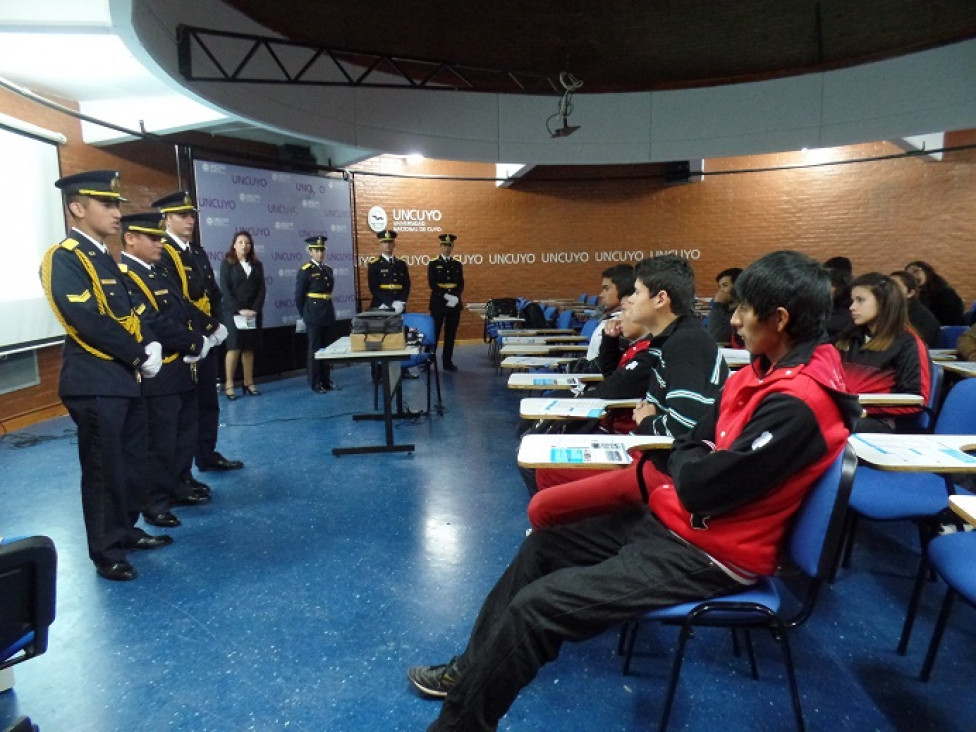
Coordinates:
570 85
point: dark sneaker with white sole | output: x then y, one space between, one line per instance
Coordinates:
435 681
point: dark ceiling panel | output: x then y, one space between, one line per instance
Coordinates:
627 45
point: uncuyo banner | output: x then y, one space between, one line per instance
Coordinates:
279 210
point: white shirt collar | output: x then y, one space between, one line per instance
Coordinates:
101 247
184 245
147 265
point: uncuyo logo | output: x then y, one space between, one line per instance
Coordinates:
376 218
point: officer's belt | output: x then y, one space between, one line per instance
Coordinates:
447 285
391 287
320 295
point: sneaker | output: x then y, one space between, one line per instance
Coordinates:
435 681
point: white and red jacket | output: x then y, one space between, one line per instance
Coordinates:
743 471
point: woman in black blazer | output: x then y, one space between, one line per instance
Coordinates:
242 298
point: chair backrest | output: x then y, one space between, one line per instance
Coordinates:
958 413
592 299
924 421
549 313
949 334
582 299
423 323
565 319
818 526
589 326
28 570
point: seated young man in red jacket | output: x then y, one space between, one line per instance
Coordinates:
737 480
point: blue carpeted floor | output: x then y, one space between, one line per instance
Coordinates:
297 599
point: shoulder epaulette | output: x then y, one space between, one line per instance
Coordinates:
373 259
123 268
307 265
69 244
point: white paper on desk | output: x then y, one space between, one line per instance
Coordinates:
903 450
580 408
604 452
242 322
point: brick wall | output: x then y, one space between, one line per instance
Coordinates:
882 214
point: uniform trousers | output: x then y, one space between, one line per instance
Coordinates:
449 319
319 336
570 583
113 442
172 440
208 413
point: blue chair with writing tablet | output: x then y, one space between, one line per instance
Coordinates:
812 547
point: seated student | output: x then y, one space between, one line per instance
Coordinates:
839 319
936 294
687 371
922 320
737 480
881 353
616 286
966 345
722 307
628 381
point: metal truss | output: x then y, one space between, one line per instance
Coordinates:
223 56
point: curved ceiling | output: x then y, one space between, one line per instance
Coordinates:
655 74
627 45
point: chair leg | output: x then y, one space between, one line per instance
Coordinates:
782 637
753 669
629 650
679 655
906 630
940 626
437 378
850 529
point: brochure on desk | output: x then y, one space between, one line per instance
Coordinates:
913 450
573 408
598 451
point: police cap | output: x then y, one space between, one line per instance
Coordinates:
386 235
177 202
148 222
447 239
93 183
316 242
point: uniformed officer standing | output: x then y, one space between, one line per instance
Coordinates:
106 354
445 275
387 276
313 298
186 262
171 398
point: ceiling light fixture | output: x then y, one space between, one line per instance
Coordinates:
570 85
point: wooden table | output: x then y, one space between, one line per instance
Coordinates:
341 351
535 362
543 350
540 382
943 354
546 408
915 453
890 400
590 452
538 331
736 358
963 368
964 506
540 340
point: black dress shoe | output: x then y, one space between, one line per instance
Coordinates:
450 367
193 499
319 389
332 386
117 572
408 374
153 542
221 463
196 485
166 519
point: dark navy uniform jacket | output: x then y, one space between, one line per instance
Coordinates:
103 350
171 318
202 289
388 281
445 277
313 294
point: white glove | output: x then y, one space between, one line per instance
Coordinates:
150 367
300 326
398 306
452 300
203 352
219 335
